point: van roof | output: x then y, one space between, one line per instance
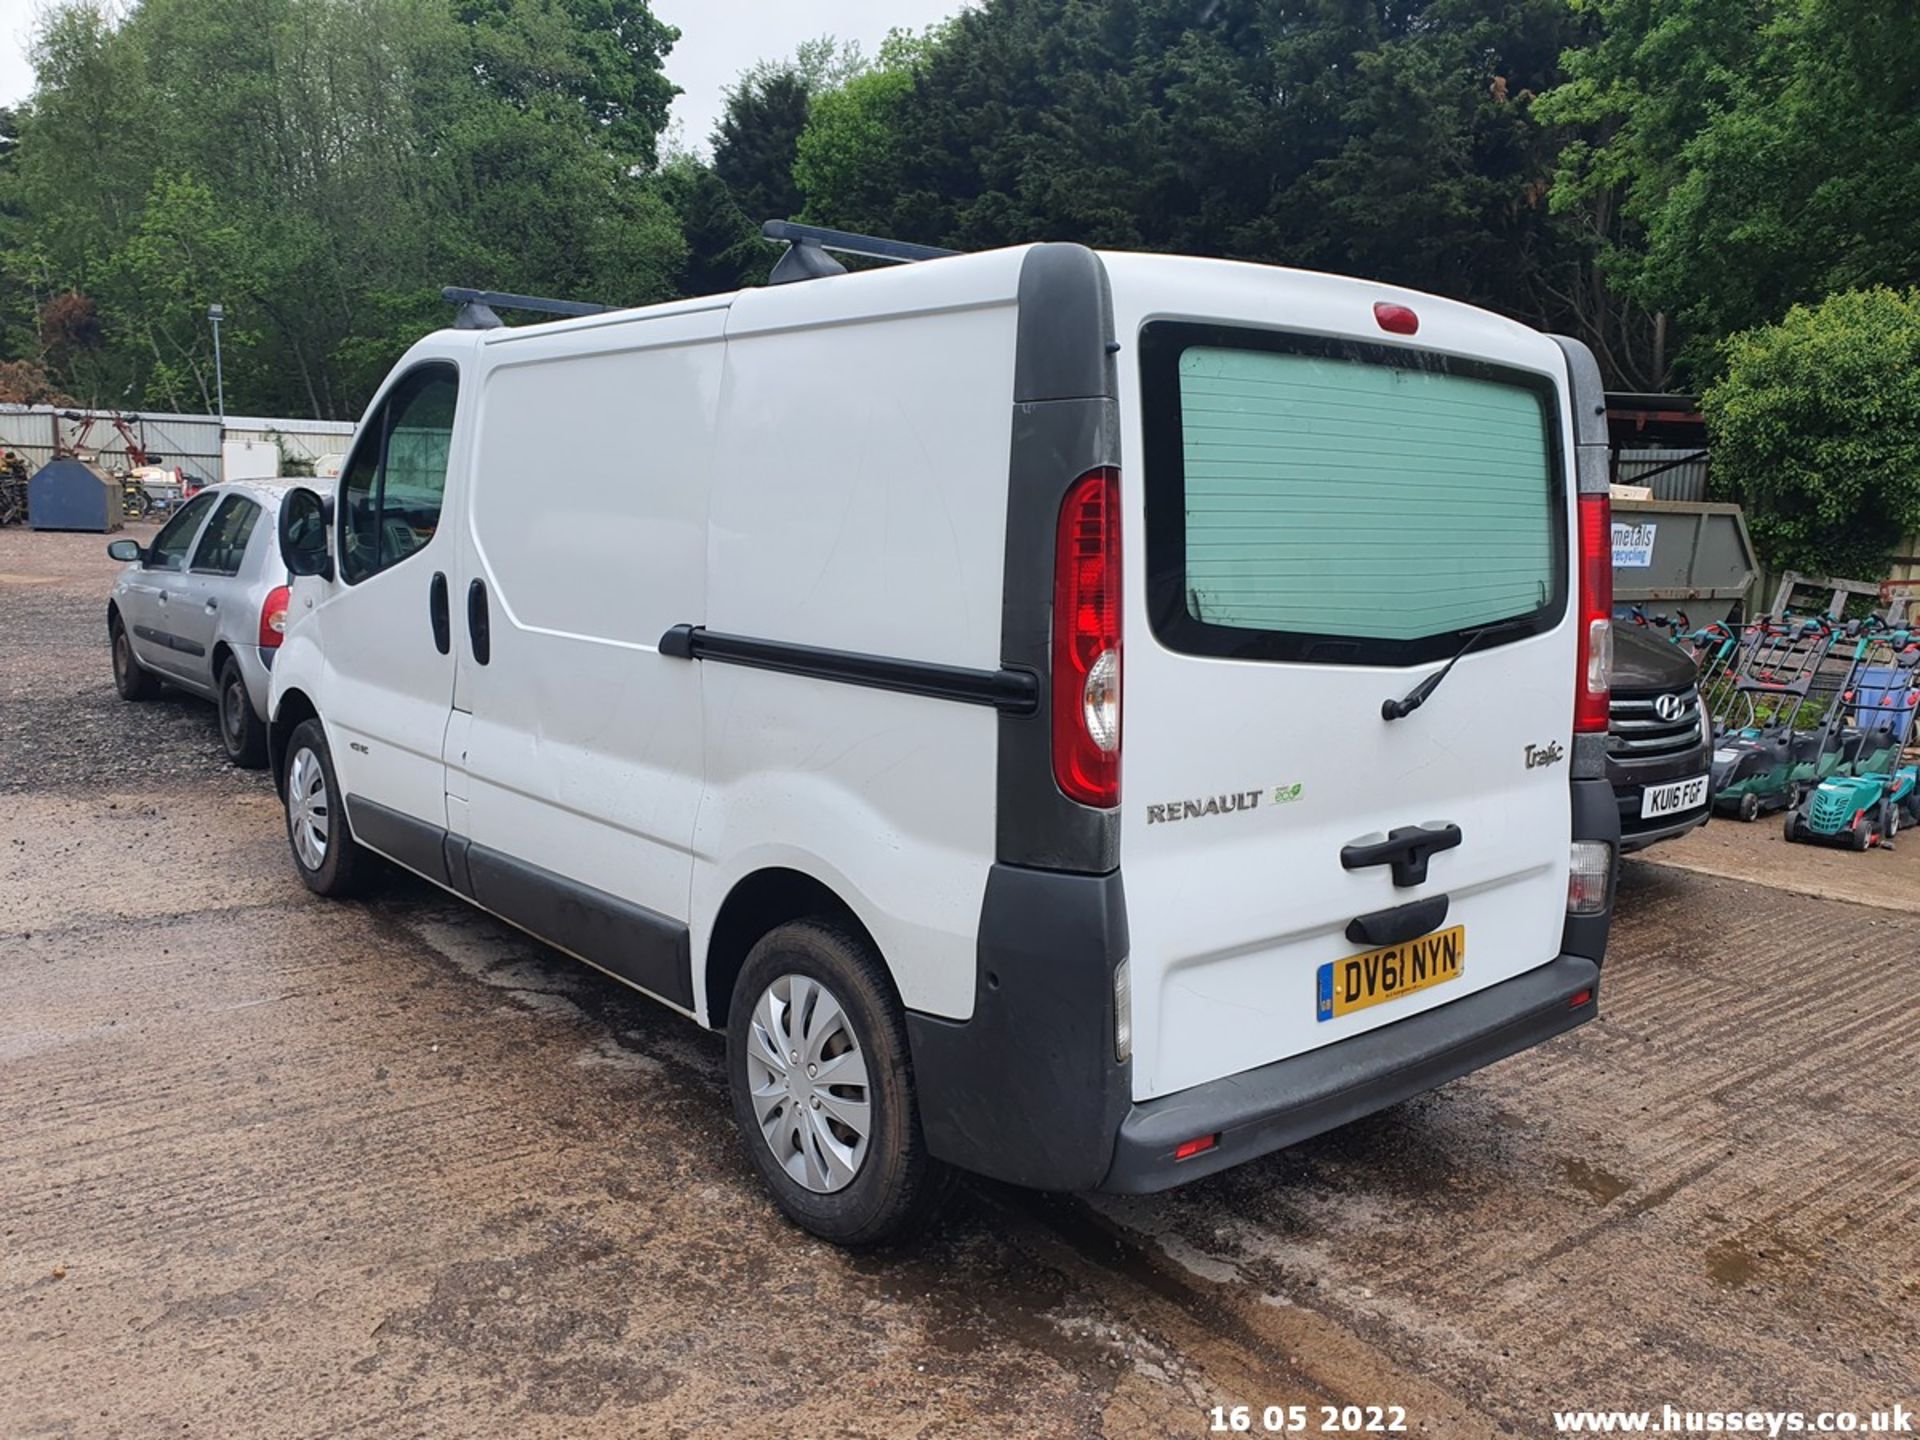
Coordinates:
1152 282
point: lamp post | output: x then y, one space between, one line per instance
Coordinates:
216 314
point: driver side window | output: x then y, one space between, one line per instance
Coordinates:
391 492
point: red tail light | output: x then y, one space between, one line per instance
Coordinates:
1593 682
273 616
1086 642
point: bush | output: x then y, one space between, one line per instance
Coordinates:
1816 431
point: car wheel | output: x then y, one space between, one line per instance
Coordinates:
324 853
823 1088
243 735
1750 807
132 679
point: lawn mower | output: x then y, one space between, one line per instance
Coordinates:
1864 802
1760 751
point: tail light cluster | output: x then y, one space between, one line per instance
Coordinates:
1086 641
273 617
1593 683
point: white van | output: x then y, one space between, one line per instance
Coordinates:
765 652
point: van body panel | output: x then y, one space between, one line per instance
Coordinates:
1234 909
859 505
582 753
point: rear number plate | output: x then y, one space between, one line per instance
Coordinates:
1673 797
1386 974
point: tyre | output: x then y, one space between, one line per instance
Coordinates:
132 679
1749 807
1860 837
243 735
823 1089
1793 825
323 851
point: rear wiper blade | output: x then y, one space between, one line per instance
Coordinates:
1416 697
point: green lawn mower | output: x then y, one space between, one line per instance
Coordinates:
1858 811
1864 803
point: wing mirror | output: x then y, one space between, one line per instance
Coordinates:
305 518
126 550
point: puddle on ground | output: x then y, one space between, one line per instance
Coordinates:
1591 1180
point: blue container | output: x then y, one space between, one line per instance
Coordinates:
67 495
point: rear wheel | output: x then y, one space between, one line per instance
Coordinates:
1793 824
243 735
133 680
323 852
1860 837
1750 807
823 1089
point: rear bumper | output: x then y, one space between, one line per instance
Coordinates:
1291 1100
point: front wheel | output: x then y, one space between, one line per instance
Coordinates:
323 852
243 735
1860 837
1793 825
823 1088
1750 807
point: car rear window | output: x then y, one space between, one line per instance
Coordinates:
1334 501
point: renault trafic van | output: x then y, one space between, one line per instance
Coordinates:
1088 719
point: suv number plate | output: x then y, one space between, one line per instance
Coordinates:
1673 797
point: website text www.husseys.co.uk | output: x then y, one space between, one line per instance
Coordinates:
1669 1420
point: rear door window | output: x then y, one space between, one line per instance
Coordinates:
224 543
1344 502
169 548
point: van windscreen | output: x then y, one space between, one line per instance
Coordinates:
1336 501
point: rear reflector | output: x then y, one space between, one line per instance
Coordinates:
1187 1149
1581 997
1397 319
1593 679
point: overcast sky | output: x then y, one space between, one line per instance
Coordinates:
718 39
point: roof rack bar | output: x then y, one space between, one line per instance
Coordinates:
874 247
477 306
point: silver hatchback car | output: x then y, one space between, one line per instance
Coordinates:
203 607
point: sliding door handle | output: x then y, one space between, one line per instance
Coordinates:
478 633
438 614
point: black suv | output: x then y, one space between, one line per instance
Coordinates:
1659 749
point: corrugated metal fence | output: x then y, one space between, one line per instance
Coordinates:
1686 480
192 442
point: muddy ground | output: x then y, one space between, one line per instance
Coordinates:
271 1166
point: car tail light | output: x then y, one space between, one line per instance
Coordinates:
1593 683
273 616
1086 641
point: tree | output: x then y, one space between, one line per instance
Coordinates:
755 140
1816 431
321 168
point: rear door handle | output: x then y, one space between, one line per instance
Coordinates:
478 633
437 612
1407 849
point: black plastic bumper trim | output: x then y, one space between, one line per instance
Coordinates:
1013 691
1277 1105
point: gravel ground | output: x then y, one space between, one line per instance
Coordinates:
271 1166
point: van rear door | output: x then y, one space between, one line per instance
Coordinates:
1327 522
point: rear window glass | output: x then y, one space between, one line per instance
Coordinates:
1333 501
